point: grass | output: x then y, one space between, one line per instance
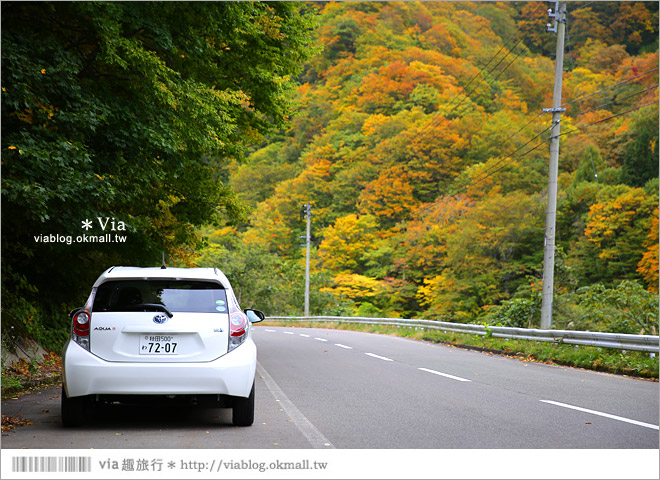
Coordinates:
631 363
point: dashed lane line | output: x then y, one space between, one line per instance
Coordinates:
601 414
435 372
453 377
379 357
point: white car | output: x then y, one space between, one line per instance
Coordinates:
160 333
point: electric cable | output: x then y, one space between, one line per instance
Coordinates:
610 87
490 172
433 124
501 72
617 100
578 129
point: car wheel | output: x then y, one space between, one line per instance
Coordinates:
243 410
75 410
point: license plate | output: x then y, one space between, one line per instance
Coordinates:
159 344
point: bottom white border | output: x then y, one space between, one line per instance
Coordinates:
325 464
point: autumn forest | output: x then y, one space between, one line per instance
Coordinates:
415 130
421 144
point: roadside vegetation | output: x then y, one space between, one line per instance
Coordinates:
24 375
200 132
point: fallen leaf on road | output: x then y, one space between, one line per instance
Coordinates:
9 423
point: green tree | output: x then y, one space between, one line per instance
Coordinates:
626 308
125 110
641 156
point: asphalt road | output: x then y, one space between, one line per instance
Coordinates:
327 389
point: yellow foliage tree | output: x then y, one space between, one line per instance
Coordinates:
617 228
345 243
354 287
648 265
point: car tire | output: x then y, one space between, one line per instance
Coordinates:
75 410
243 410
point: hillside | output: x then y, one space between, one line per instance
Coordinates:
420 142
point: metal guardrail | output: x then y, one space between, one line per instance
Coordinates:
623 341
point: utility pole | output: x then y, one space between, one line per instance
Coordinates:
559 28
307 214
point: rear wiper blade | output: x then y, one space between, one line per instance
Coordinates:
156 306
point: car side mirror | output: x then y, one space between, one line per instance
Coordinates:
254 316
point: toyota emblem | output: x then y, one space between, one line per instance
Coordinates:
160 318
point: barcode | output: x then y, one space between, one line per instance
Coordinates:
51 464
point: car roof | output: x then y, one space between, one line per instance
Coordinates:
148 273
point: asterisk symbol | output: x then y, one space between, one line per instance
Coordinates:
87 224
171 465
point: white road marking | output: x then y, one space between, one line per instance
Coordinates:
303 335
267 330
379 357
288 333
315 438
343 346
607 415
320 339
435 372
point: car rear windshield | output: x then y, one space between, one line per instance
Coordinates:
175 295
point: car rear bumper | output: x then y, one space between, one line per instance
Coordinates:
86 374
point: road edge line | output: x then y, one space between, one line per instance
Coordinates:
315 438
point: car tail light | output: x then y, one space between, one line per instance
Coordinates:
238 329
80 330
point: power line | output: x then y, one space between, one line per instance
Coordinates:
610 87
490 84
617 100
492 81
488 171
491 172
466 86
578 129
429 127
